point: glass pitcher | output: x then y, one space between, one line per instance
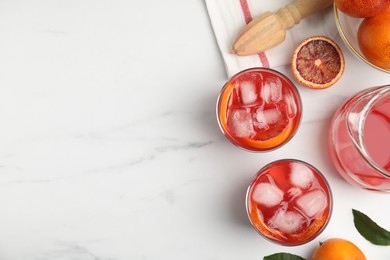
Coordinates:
359 139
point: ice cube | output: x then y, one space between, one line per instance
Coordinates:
240 123
272 90
260 121
294 192
267 194
312 203
271 116
267 117
291 105
286 221
248 92
301 175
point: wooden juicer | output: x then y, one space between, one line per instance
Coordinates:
269 29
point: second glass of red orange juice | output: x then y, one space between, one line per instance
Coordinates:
289 202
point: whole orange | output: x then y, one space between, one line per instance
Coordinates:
338 249
374 39
362 8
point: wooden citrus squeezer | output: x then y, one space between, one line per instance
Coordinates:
269 29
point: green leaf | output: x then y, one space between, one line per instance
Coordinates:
283 256
370 230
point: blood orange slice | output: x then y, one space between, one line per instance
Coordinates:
317 62
273 138
276 132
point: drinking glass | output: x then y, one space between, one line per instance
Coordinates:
259 109
289 202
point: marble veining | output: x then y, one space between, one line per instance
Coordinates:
109 144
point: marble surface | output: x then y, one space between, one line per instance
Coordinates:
109 144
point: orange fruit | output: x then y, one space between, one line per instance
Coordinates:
362 8
374 39
317 62
338 249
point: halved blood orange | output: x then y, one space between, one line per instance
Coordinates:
317 62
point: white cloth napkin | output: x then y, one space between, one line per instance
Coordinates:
228 17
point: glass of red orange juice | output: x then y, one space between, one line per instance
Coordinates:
359 139
259 109
289 202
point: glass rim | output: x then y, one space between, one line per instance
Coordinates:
359 144
295 89
330 201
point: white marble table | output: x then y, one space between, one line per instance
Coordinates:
109 145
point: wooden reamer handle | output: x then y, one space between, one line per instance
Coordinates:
293 13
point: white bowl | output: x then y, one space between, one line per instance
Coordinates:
348 27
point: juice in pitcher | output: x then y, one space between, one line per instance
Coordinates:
359 139
259 109
289 202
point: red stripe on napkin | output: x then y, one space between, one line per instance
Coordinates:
248 17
